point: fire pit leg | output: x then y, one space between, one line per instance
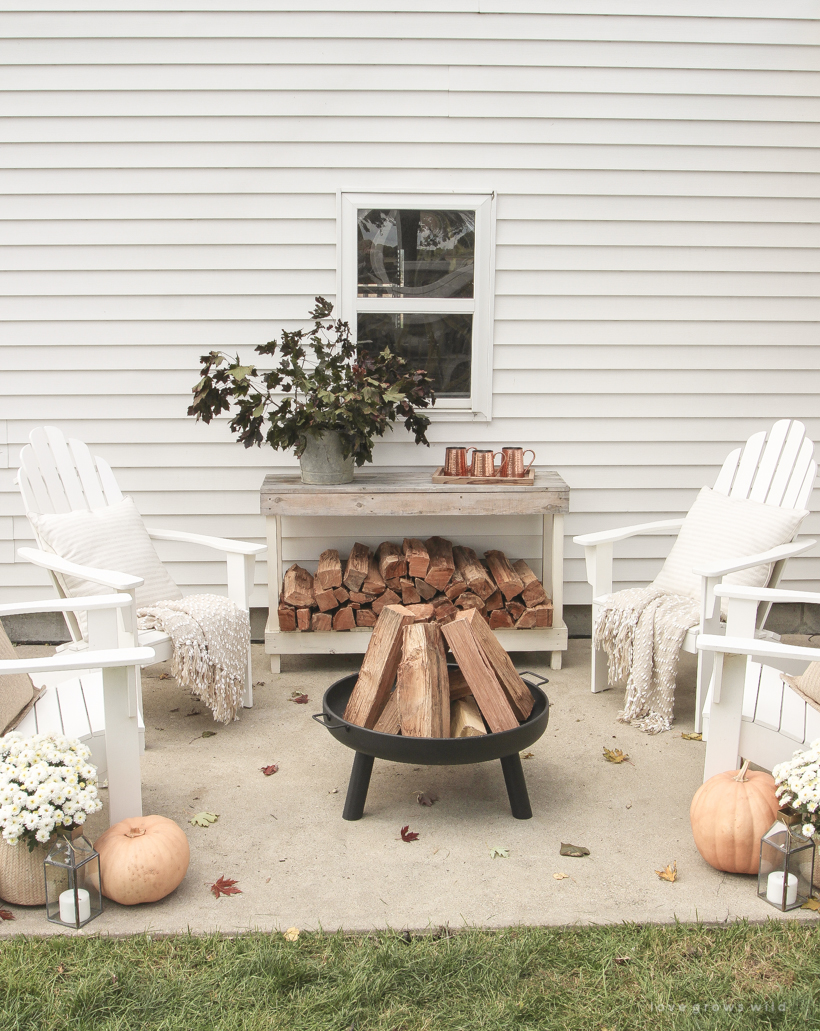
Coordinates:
516 787
358 785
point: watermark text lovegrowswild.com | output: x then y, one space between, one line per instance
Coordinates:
708 1008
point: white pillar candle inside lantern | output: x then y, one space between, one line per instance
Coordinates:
774 888
67 910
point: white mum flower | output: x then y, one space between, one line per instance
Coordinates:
808 830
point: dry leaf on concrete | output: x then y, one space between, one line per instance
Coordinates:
5 914
225 886
291 934
692 737
560 876
615 755
204 819
669 873
577 851
527 755
269 770
499 853
426 798
808 904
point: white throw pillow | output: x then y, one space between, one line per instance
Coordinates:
717 530
108 538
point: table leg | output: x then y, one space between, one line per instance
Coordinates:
358 785
516 787
552 562
273 528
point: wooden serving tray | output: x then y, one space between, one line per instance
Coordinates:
528 480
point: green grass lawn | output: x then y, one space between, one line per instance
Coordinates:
643 977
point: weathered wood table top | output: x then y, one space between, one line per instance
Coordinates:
395 490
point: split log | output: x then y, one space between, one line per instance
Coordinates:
359 598
543 614
526 621
465 719
409 594
391 560
355 606
516 609
388 598
358 563
426 591
366 617
378 669
321 621
326 600
341 595
344 619
459 688
394 583
442 563
533 593
374 581
423 612
500 619
443 609
495 601
287 618
422 684
509 583
456 586
416 557
502 665
478 673
297 588
468 600
388 722
329 573
477 579
303 619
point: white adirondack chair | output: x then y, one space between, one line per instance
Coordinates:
750 711
89 695
777 471
59 475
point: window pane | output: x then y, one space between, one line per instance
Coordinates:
441 344
412 253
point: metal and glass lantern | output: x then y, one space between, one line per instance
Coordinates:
72 872
786 864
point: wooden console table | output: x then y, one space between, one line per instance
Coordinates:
409 492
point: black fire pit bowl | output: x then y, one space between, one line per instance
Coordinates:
434 751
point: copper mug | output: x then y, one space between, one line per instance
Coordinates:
512 462
455 461
483 463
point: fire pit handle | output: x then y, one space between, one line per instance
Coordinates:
320 718
539 680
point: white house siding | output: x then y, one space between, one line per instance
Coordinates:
168 185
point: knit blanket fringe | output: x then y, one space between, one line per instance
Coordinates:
211 638
642 630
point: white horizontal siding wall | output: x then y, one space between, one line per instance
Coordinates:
167 186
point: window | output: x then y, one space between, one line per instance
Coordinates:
415 275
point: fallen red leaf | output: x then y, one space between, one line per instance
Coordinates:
407 834
225 886
301 699
6 915
269 770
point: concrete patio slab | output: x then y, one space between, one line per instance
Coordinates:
299 864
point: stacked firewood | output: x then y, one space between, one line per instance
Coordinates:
405 687
432 578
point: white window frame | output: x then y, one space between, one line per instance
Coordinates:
478 407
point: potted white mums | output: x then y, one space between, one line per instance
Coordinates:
47 786
798 787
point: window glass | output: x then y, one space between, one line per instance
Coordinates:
415 253
441 344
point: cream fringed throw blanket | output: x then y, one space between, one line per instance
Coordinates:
641 630
211 637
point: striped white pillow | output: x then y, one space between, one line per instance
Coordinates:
719 529
108 538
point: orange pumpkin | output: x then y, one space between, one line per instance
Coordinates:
142 860
730 813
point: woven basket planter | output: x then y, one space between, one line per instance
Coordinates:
22 881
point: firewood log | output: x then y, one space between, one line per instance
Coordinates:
509 583
388 598
391 560
358 563
515 609
329 573
459 688
456 586
409 594
445 612
500 619
345 618
527 620
442 564
326 600
321 621
474 573
378 669
374 581
487 690
465 719
533 592
502 665
359 598
303 619
543 614
495 601
416 556
297 588
394 583
422 684
287 617
341 595
426 591
366 617
423 612
468 600
388 721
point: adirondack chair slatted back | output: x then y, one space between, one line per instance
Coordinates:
59 475
777 471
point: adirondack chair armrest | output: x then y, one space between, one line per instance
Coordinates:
587 540
79 660
217 543
782 551
770 594
105 577
90 602
757 649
